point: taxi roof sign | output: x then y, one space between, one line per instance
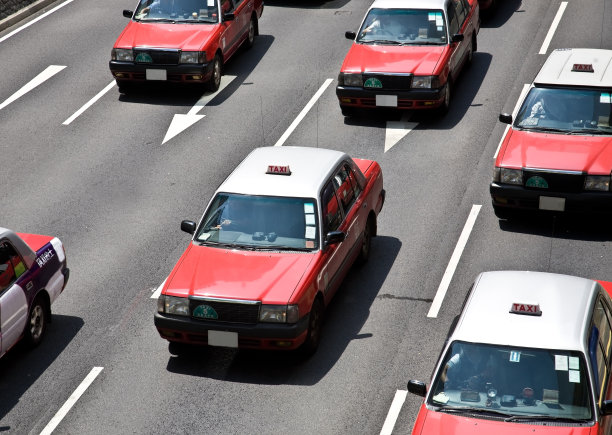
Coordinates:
527 309
583 67
278 170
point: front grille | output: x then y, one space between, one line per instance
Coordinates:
390 82
152 56
570 182
227 312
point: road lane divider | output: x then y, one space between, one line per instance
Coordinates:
303 113
553 28
59 416
158 290
49 72
452 264
25 26
89 103
396 407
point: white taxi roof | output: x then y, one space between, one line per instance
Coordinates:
310 168
559 68
409 4
565 303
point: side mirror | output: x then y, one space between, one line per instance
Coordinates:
188 226
506 118
458 37
350 35
228 17
127 13
606 407
334 237
417 387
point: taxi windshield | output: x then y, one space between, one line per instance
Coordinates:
566 110
518 383
260 222
403 27
177 11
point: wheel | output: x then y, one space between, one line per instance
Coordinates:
176 348
347 111
315 324
37 322
443 109
473 47
251 35
125 88
366 243
504 212
215 80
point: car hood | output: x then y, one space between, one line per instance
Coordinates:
524 149
418 60
450 424
188 37
270 277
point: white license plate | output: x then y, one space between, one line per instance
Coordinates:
552 203
223 338
386 100
156 74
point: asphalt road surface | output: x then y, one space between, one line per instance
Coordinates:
93 168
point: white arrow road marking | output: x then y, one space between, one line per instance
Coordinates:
49 72
396 407
181 122
89 103
71 401
452 264
25 26
396 130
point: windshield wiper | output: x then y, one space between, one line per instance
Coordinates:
382 41
546 418
590 131
290 248
545 129
422 43
158 20
473 410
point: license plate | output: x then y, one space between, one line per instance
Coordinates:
156 74
223 338
386 100
552 203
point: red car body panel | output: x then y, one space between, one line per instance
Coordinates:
35 241
525 149
189 37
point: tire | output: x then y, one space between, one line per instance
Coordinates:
505 212
443 109
37 322
347 111
366 243
473 48
251 34
176 348
125 88
315 326
215 80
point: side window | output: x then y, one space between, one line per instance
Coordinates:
11 265
466 6
226 6
345 188
599 346
453 25
332 216
461 12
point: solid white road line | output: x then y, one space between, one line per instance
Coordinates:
514 112
71 400
89 103
8 35
49 72
396 407
553 28
303 113
157 292
452 265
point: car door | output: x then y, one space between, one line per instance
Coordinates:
13 302
242 12
456 16
230 39
599 354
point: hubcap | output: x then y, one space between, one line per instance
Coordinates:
36 322
217 72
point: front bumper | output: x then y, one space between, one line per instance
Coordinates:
519 198
414 99
182 73
255 336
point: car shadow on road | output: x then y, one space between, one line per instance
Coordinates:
463 94
307 4
595 228
187 95
501 14
21 367
344 320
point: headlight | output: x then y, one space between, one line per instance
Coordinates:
173 305
346 79
279 313
122 54
597 182
425 82
192 57
511 176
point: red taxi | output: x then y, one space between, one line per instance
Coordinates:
529 353
407 54
556 154
183 41
271 250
